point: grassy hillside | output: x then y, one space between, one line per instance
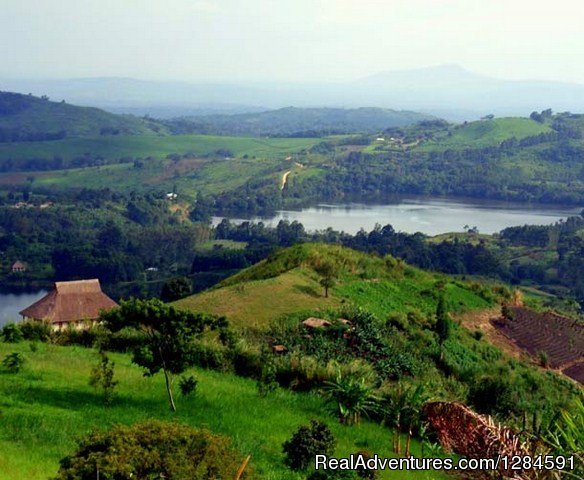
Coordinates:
48 405
287 283
491 132
33 115
211 164
112 148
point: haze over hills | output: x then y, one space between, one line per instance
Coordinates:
27 118
449 91
293 121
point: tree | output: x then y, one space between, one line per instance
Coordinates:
152 449
176 289
102 376
402 407
328 272
169 334
13 362
307 442
443 325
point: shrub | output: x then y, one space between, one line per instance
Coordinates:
188 385
151 449
102 377
477 335
492 394
307 442
35 331
267 382
13 362
544 360
11 333
352 396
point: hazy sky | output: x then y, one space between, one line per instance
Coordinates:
289 39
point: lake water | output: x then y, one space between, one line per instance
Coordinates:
12 303
431 216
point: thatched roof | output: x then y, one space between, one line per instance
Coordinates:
70 302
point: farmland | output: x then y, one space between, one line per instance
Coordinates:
115 147
560 339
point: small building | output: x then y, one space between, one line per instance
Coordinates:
77 303
18 267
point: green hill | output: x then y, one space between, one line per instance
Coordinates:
287 283
28 118
493 132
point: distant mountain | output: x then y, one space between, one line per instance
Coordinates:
299 122
451 88
447 91
30 118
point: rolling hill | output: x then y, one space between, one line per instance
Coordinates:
26 118
287 283
448 91
300 121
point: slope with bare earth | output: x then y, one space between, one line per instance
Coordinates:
559 339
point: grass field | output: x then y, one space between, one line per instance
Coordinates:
188 176
257 303
114 147
49 404
286 283
487 132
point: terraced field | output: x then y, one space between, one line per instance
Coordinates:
560 338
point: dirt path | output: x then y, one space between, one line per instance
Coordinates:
285 179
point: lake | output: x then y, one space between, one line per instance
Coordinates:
12 303
431 216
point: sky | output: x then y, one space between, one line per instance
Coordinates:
288 40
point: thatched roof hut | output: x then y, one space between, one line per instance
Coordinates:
70 302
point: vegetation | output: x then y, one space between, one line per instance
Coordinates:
168 336
13 362
102 377
49 406
307 442
297 122
151 449
25 118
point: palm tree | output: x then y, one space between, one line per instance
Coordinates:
353 397
402 408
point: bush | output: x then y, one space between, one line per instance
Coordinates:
11 333
35 331
102 377
13 362
188 385
492 395
151 449
307 442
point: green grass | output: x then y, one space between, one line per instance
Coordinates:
488 132
264 158
256 304
188 176
49 404
114 147
286 283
